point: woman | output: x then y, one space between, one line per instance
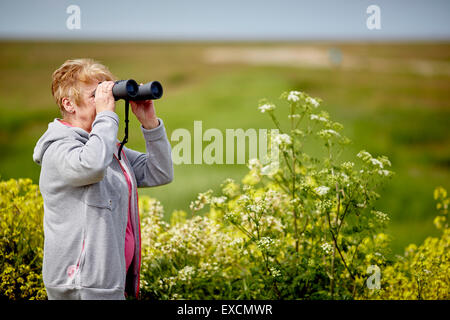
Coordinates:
91 219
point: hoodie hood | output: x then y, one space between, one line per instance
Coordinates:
57 131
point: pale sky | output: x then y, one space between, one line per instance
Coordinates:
226 20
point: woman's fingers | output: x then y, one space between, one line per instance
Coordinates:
104 99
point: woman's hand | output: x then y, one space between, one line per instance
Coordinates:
104 99
145 112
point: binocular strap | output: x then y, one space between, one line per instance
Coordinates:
125 139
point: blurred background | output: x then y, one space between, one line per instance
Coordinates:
384 73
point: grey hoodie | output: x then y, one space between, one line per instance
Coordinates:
86 202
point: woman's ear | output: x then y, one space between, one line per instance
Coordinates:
68 105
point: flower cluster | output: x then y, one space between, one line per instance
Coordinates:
376 165
313 102
322 190
202 199
266 107
293 96
327 248
382 217
283 140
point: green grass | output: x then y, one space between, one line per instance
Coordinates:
398 113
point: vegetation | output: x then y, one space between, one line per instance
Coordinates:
306 228
311 229
392 99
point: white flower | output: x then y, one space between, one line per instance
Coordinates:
376 162
328 133
383 217
293 96
265 243
344 177
313 101
327 248
322 190
282 139
332 132
237 242
275 272
254 163
186 273
348 165
364 155
316 117
271 168
218 200
244 198
266 107
255 208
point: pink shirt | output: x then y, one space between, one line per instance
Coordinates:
129 234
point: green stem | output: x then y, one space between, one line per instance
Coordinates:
277 124
293 181
287 163
332 272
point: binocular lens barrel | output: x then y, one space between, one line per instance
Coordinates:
150 91
125 89
130 90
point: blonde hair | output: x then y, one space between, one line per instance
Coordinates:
67 79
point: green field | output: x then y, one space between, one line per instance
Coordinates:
393 99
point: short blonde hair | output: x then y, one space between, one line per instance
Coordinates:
66 80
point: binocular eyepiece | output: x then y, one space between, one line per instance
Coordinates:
130 90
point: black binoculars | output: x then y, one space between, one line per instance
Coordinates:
130 90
